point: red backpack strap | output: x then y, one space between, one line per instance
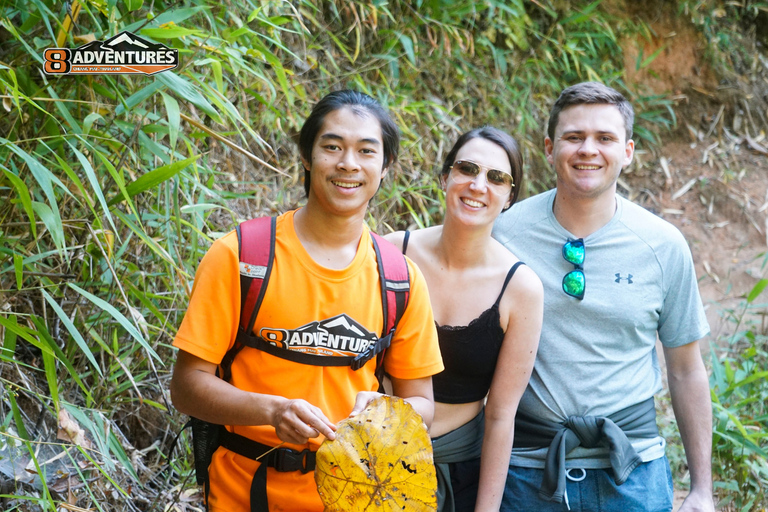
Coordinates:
395 281
256 248
256 242
395 290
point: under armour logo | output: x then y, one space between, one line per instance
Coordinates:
619 278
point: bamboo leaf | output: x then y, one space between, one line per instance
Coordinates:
170 32
174 119
215 65
757 290
153 178
9 343
24 197
201 207
133 5
89 120
49 364
46 343
175 16
90 173
18 267
138 97
52 221
119 317
407 43
17 419
652 57
187 91
72 331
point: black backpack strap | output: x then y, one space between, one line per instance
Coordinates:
282 459
356 362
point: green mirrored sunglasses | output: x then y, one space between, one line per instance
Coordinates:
574 282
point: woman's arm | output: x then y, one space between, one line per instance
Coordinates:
523 300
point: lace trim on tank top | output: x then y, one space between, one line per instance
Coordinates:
469 352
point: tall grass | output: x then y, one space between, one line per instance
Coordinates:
113 187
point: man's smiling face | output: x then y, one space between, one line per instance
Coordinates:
589 150
347 162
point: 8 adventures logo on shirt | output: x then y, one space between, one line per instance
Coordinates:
337 336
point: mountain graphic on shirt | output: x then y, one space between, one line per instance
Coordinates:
337 336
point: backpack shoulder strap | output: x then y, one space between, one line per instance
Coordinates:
395 290
256 250
256 242
395 281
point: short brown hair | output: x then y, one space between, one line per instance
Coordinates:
591 93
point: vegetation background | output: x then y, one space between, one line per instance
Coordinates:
113 187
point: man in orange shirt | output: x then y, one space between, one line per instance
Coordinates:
323 297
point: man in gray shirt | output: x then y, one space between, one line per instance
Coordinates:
615 276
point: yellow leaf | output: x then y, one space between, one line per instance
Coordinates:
381 460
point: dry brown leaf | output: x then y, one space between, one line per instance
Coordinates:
70 430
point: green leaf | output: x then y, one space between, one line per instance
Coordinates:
24 197
49 363
17 419
52 221
757 290
114 313
89 120
170 32
72 331
175 15
653 56
138 97
174 119
584 15
9 343
90 173
133 5
215 65
154 178
201 207
18 267
187 91
407 43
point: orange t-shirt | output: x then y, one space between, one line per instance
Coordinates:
308 307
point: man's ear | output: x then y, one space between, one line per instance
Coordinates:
549 147
306 164
629 152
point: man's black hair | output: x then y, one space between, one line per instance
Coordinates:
362 105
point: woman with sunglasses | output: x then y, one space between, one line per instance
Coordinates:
488 309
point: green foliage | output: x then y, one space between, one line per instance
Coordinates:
739 383
113 187
727 27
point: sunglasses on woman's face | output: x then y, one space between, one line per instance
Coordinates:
466 171
574 282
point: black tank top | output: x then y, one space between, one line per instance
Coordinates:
469 352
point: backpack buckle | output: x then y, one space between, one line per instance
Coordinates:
291 460
362 358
